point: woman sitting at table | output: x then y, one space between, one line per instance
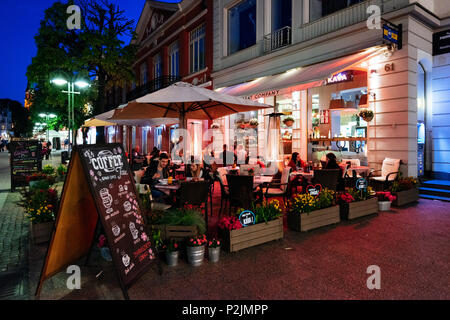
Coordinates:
298 181
155 172
296 163
331 163
195 171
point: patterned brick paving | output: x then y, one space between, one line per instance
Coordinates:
410 245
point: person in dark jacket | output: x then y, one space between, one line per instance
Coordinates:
332 164
156 170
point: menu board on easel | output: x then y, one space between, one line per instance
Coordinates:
25 160
99 187
116 199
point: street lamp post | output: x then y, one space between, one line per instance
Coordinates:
47 117
71 102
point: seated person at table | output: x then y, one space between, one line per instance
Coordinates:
156 170
296 163
195 171
298 181
331 163
260 163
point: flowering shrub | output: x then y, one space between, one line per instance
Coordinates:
40 205
385 196
62 170
360 195
251 171
267 211
366 114
171 246
345 198
326 198
37 176
48 169
230 223
197 241
214 243
304 203
403 184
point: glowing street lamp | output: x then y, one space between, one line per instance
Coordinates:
80 83
47 116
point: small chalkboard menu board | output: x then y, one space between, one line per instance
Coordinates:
99 177
24 161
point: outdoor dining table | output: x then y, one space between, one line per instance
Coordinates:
307 175
261 180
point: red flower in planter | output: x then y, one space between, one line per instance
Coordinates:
230 223
346 198
385 196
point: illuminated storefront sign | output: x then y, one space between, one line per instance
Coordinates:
264 94
340 77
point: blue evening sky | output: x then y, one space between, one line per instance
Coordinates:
19 23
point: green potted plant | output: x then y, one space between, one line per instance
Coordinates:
357 203
214 250
366 114
253 123
385 199
288 121
196 250
62 172
38 180
406 190
179 223
268 227
40 207
172 253
309 212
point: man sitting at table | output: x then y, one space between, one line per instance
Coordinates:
155 172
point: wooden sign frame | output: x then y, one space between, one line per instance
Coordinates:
84 223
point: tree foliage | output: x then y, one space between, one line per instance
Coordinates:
95 53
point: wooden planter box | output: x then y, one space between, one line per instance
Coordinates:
406 197
358 209
250 236
177 233
41 232
313 220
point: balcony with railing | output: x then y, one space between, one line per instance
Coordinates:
152 86
285 37
277 39
343 18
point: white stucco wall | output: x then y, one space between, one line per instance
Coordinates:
441 114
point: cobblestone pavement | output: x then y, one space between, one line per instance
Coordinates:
14 229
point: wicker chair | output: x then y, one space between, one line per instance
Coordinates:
281 188
328 178
241 191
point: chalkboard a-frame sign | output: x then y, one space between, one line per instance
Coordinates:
24 161
99 185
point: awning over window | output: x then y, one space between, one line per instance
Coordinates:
300 78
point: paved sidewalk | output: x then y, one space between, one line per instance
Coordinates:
14 239
410 245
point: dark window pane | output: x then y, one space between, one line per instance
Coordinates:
242 26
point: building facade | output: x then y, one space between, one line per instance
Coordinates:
175 43
321 61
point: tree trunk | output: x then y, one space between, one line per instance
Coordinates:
101 104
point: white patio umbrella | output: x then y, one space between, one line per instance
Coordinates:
183 100
103 120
